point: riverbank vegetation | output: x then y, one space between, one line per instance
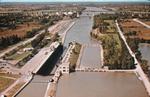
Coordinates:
116 55
74 56
24 53
135 34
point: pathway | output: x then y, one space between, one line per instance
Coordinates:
139 70
138 21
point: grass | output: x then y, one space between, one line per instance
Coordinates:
28 46
9 75
74 56
5 83
112 48
116 55
19 56
111 28
14 89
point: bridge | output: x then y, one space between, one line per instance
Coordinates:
90 69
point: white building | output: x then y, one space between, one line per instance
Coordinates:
64 68
27 49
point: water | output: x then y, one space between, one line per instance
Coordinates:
80 32
145 50
102 84
36 88
91 57
88 84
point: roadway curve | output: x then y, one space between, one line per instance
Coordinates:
138 69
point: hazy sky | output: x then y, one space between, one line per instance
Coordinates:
73 0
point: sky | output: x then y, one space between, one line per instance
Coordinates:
74 0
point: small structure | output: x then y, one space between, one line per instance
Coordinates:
27 49
64 68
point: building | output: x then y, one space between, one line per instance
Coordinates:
64 68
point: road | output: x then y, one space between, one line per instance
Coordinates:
52 29
39 59
138 69
138 21
20 43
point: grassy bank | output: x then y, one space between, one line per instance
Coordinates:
74 56
116 55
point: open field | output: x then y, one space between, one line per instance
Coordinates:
6 79
5 82
21 56
15 89
146 22
128 25
20 29
9 75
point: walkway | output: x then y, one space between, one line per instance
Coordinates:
139 70
89 69
147 26
39 59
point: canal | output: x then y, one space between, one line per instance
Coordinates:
38 85
80 84
98 84
145 51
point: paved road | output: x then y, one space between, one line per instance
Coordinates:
51 29
139 70
20 43
136 20
39 59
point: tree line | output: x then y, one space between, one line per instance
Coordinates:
9 40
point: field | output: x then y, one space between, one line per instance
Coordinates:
21 56
128 26
14 89
20 29
146 22
6 80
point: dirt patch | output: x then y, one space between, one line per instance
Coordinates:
128 25
20 29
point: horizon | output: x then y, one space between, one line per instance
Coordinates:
106 1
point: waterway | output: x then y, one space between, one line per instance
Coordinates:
145 51
88 84
36 88
88 61
100 84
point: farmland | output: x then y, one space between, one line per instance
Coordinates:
6 80
20 30
137 30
